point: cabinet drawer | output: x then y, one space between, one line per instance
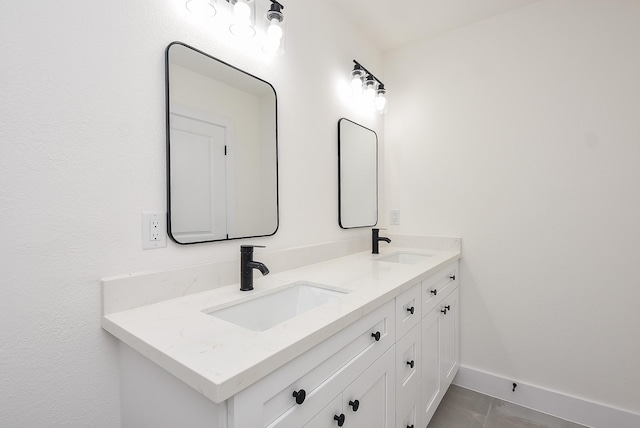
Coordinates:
321 373
408 365
436 287
408 310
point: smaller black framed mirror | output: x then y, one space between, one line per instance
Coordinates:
357 175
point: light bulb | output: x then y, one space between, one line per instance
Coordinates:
201 8
369 89
242 26
356 80
274 31
380 102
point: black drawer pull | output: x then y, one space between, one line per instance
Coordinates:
444 311
339 419
434 292
355 404
453 277
376 336
300 396
411 309
411 363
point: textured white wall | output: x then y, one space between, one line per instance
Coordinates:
521 133
82 154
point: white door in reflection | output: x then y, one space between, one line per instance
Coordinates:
199 166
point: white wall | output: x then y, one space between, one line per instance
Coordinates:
83 154
521 133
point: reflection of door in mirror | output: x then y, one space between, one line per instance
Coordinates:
222 150
199 163
357 175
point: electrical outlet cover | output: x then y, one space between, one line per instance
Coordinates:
154 230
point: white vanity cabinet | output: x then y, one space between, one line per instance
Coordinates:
440 338
390 368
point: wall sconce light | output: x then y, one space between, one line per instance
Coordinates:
243 21
364 83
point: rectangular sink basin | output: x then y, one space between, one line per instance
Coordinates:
283 304
404 258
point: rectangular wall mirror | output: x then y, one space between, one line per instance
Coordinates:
357 175
222 150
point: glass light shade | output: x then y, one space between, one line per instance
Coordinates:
202 8
273 43
380 101
356 80
243 14
370 89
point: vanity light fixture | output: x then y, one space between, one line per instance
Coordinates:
363 82
242 17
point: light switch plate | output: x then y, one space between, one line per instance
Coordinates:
395 217
154 230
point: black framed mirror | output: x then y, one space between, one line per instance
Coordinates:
357 175
222 150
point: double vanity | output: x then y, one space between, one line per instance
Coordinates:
360 340
333 336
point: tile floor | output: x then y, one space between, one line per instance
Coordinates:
463 408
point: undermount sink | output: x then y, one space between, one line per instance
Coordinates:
404 258
283 304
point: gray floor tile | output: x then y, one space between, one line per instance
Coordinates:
466 399
508 415
451 416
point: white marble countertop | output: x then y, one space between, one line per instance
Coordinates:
219 359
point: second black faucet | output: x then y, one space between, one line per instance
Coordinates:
375 240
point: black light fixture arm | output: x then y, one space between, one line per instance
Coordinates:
368 72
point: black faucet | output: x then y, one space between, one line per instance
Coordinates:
375 239
247 265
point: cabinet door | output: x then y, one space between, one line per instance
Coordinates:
330 416
370 400
449 332
431 370
408 365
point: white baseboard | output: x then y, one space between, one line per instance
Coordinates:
563 406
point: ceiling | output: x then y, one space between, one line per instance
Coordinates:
390 24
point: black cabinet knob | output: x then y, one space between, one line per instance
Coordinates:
411 363
355 404
409 426
453 277
300 396
411 309
434 292
448 307
376 336
444 311
339 419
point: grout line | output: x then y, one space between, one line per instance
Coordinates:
486 417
